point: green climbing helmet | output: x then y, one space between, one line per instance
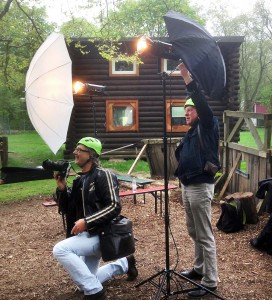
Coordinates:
189 102
92 143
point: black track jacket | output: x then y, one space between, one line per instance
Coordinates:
94 196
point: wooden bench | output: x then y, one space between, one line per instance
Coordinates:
155 191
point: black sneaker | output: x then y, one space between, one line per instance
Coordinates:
98 296
254 243
192 274
200 293
132 272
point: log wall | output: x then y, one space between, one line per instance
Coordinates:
146 88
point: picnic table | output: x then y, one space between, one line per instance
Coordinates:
155 191
140 182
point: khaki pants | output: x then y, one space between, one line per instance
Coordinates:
197 203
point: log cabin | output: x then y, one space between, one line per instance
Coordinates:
131 108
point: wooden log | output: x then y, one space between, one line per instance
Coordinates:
137 159
248 202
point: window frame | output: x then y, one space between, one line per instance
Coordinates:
164 68
175 128
114 73
119 103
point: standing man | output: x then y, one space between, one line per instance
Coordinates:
92 201
199 145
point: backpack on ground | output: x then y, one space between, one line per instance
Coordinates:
263 241
233 217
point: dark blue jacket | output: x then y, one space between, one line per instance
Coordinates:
190 155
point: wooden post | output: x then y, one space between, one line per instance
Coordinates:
230 175
4 151
137 159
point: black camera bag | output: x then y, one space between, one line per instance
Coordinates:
116 239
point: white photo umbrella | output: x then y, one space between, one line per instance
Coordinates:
49 92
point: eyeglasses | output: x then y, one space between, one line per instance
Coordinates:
78 150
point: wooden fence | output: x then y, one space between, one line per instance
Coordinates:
257 161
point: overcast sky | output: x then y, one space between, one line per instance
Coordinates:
234 7
56 9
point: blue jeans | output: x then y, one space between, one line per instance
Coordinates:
80 256
197 204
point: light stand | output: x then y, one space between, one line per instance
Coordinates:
90 89
94 114
168 275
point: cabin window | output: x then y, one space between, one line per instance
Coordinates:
175 116
123 68
122 115
169 66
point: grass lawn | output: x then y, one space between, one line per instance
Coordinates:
29 150
247 140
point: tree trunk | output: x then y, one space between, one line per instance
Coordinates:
248 202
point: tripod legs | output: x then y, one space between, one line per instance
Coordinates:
182 285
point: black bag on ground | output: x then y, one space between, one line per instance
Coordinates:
264 240
117 239
232 218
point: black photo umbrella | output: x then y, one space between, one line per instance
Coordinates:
193 44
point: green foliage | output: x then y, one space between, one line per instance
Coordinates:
126 19
256 54
22 29
77 28
266 97
13 110
138 17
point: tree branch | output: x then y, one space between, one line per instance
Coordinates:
6 9
31 20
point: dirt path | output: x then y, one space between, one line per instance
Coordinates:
28 271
